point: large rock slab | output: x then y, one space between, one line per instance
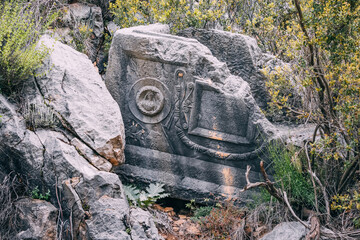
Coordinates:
241 54
21 149
178 100
72 87
287 231
142 225
99 206
70 158
37 219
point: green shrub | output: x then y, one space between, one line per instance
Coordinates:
287 166
19 34
202 212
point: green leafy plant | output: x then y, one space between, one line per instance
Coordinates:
19 35
35 194
202 211
191 205
287 166
147 197
82 38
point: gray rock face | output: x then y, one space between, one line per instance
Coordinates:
177 98
142 225
241 54
20 148
75 90
286 231
99 206
38 219
103 4
77 16
69 159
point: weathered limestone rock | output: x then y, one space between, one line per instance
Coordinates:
142 225
99 206
68 158
287 231
241 54
189 123
79 15
20 148
38 219
103 4
75 90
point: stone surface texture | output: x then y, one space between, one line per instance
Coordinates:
176 97
37 219
76 16
241 54
142 225
74 89
103 4
287 231
70 158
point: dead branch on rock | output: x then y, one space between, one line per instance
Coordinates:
268 185
314 233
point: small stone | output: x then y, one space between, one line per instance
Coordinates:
179 222
168 209
192 229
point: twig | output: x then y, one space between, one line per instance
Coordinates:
268 185
326 198
250 185
312 178
292 211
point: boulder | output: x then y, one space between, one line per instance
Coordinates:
64 139
189 122
37 219
103 4
142 225
287 231
99 206
74 90
21 149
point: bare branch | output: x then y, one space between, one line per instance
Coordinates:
312 178
250 185
314 233
286 200
326 198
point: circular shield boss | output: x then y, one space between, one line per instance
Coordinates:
149 100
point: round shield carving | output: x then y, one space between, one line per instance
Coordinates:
149 100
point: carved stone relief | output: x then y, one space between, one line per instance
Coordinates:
204 110
149 100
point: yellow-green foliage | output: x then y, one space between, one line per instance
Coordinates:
321 41
19 35
346 202
179 14
81 36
